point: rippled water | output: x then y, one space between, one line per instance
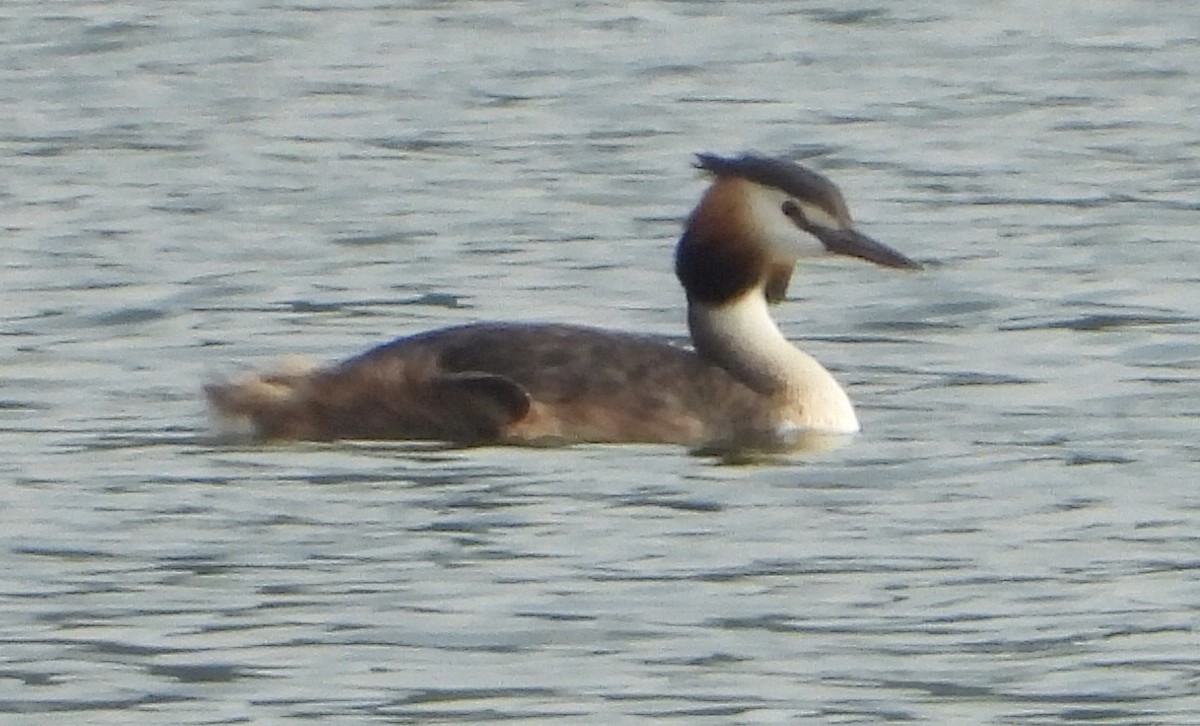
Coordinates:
189 189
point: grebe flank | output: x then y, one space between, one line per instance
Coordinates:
509 383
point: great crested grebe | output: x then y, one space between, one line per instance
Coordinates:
508 383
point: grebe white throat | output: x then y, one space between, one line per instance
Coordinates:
744 337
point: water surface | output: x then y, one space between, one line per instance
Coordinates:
192 191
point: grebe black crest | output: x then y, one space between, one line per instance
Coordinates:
743 384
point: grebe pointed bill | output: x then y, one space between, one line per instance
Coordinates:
742 384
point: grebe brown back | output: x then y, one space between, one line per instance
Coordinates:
504 383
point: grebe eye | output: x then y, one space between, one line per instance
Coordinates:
791 209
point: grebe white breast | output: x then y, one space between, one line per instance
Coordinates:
509 383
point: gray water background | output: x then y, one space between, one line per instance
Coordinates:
192 189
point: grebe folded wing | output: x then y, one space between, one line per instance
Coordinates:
581 383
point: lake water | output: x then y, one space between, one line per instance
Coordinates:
193 189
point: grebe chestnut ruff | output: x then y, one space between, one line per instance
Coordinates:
509 383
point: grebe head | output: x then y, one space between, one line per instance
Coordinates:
757 219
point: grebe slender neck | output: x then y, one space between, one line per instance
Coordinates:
742 337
